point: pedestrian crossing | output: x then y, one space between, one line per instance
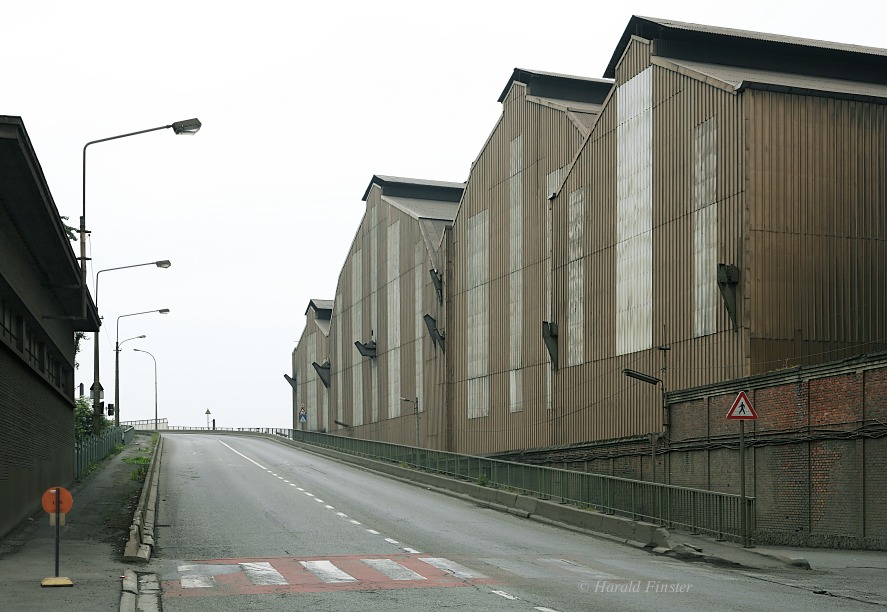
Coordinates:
363 572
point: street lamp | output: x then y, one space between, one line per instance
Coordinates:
155 384
416 407
188 127
97 390
117 361
650 380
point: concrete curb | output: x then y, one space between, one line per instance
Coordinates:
141 533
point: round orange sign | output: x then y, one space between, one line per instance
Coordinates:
64 497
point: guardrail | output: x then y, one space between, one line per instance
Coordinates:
695 510
91 449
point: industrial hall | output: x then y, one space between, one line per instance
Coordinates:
708 215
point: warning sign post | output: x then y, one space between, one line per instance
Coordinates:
57 502
742 411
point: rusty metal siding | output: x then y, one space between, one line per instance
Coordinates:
517 397
817 230
635 60
594 400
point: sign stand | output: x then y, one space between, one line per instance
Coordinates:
742 411
57 502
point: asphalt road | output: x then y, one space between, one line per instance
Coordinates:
247 524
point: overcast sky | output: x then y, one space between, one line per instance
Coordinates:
301 104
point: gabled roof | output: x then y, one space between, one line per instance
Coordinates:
559 86
323 309
754 49
32 212
416 188
739 78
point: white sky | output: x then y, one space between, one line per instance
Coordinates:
301 104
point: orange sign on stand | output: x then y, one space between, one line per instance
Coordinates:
66 502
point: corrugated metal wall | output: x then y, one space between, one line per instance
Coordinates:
548 141
818 230
594 400
384 290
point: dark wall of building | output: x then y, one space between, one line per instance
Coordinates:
37 448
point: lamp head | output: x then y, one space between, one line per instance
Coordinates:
650 380
163 311
163 264
188 126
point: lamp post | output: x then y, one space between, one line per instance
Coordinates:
117 361
155 384
188 126
650 380
207 417
416 407
97 390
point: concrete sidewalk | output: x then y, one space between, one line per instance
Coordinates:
91 544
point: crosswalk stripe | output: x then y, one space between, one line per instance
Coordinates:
197 582
459 571
262 573
393 569
327 572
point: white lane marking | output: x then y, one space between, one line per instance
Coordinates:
262 573
411 550
327 572
292 484
504 594
353 522
319 501
373 531
244 456
342 514
579 569
459 571
198 582
273 474
392 541
540 609
300 488
328 507
393 569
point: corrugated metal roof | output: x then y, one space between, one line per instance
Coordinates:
318 305
779 38
446 190
424 209
576 88
653 28
740 78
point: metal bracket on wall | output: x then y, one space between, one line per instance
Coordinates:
436 335
549 336
368 349
728 279
323 371
437 281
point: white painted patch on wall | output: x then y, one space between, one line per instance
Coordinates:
705 228
634 214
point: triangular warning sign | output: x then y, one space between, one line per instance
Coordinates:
742 408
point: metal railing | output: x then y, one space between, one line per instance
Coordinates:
91 449
695 510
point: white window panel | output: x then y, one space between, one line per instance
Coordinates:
705 229
392 333
576 313
515 392
419 329
634 214
478 397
